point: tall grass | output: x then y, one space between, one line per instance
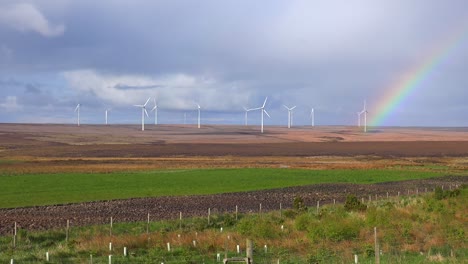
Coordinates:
417 229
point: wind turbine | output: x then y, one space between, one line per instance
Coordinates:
107 110
312 116
289 115
262 109
143 112
155 109
364 111
246 111
198 106
77 110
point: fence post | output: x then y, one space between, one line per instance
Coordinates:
14 236
249 249
180 220
376 249
110 229
68 230
236 212
209 213
147 224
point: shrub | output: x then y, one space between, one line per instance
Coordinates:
302 222
440 194
353 204
259 227
299 204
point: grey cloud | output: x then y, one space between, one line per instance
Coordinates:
26 17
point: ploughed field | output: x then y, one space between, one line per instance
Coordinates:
169 207
47 170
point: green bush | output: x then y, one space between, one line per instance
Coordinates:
353 204
303 221
335 229
259 227
299 205
440 194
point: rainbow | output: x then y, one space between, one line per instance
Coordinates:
408 83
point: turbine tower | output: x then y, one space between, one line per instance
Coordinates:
246 111
143 112
198 106
289 115
312 116
77 110
155 109
262 109
107 110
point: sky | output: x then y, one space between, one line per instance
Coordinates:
329 55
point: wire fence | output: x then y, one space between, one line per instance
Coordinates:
348 243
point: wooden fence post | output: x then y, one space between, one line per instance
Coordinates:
376 248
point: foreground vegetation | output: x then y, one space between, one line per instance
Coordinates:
430 228
58 188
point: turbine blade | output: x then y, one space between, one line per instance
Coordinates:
264 103
253 109
245 108
266 113
139 105
154 108
77 107
147 101
286 107
293 107
146 112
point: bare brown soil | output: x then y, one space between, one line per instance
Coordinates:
134 210
163 141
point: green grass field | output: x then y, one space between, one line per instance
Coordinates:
46 189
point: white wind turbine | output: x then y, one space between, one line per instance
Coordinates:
107 111
155 109
77 110
312 116
289 115
246 111
198 106
143 112
364 111
262 109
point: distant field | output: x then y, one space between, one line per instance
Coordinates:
59 188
